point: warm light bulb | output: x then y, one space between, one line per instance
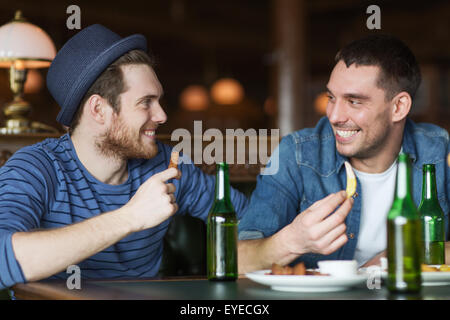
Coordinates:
321 102
34 82
227 91
194 98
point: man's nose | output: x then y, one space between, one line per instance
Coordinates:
158 115
337 112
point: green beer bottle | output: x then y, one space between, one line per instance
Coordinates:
221 246
404 235
432 216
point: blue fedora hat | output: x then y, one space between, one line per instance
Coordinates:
81 61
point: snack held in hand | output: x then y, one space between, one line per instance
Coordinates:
351 180
174 159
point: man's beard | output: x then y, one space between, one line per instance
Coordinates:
371 147
121 142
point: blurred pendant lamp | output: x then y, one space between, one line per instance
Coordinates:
227 91
194 98
320 103
23 46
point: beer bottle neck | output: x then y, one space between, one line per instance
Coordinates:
403 186
429 183
223 187
403 204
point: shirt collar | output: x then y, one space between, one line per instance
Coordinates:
408 144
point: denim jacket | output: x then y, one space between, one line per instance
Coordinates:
310 168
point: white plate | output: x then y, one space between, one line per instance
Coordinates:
431 278
307 283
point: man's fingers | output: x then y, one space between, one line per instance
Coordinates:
327 239
336 244
319 202
171 188
175 207
167 174
337 217
327 205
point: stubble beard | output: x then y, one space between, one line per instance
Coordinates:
121 142
369 148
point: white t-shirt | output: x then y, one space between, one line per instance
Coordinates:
377 195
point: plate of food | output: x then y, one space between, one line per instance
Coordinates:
299 279
432 275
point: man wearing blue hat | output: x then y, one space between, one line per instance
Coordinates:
100 196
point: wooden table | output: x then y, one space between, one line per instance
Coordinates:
203 299
202 289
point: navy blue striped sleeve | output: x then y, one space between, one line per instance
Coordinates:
22 193
197 191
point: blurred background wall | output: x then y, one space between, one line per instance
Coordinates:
280 52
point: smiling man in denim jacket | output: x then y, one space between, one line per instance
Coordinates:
301 213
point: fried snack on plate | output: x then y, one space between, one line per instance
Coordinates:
280 270
444 268
428 268
435 268
315 273
174 159
299 269
276 269
351 180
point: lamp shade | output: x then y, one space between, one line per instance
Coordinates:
26 42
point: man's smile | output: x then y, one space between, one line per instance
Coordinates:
345 136
150 133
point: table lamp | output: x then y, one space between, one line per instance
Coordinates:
23 46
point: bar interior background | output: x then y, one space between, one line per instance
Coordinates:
280 51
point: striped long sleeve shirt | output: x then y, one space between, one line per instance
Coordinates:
46 186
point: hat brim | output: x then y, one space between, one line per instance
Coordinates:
94 70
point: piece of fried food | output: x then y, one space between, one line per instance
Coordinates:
315 273
428 268
437 268
280 270
351 180
299 269
276 269
444 268
174 159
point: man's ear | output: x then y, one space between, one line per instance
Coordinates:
401 104
96 106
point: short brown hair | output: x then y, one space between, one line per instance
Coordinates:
399 70
110 84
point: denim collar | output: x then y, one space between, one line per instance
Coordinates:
408 144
